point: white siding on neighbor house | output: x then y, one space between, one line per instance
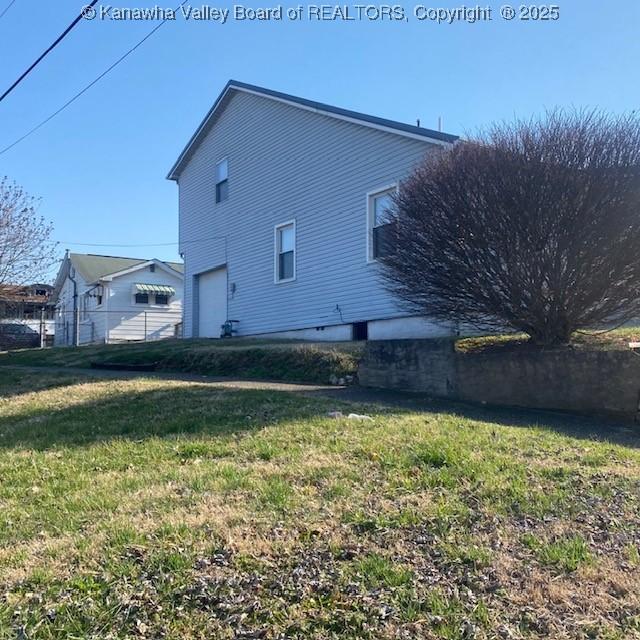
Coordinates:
127 319
289 164
92 322
64 316
118 318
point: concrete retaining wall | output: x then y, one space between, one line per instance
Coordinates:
599 382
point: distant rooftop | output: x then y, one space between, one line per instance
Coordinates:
93 267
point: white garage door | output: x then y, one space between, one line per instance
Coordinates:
212 302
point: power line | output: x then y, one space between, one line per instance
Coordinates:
134 246
7 8
130 246
80 93
56 42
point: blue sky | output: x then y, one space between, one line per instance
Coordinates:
100 166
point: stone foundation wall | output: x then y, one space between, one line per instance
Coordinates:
599 382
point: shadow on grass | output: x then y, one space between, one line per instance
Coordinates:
196 409
206 408
15 382
604 429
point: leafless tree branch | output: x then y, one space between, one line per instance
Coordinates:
26 248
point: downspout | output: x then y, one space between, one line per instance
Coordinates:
226 270
76 328
75 302
105 302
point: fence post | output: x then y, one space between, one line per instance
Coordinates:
42 329
76 327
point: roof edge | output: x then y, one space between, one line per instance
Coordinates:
391 126
107 277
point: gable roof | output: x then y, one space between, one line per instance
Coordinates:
176 269
94 267
233 86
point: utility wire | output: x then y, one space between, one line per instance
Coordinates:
56 42
80 93
7 8
133 246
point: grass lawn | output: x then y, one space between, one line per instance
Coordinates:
258 359
152 508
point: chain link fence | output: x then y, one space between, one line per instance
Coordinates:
116 326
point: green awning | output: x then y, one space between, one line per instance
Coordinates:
154 288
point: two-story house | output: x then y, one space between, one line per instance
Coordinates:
107 299
283 207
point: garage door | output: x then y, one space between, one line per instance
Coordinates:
212 302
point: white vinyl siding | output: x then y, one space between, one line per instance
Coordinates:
119 316
318 168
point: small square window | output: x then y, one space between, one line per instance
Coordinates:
142 298
162 298
222 181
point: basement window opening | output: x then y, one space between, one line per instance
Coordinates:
360 331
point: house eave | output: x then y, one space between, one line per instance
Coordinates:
381 124
158 263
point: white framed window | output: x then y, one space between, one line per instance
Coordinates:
222 180
285 252
380 220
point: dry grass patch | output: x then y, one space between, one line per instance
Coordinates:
287 360
599 340
152 508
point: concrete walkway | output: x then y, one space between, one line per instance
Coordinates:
216 381
379 399
357 394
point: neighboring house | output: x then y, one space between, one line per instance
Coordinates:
282 217
105 299
26 302
27 306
